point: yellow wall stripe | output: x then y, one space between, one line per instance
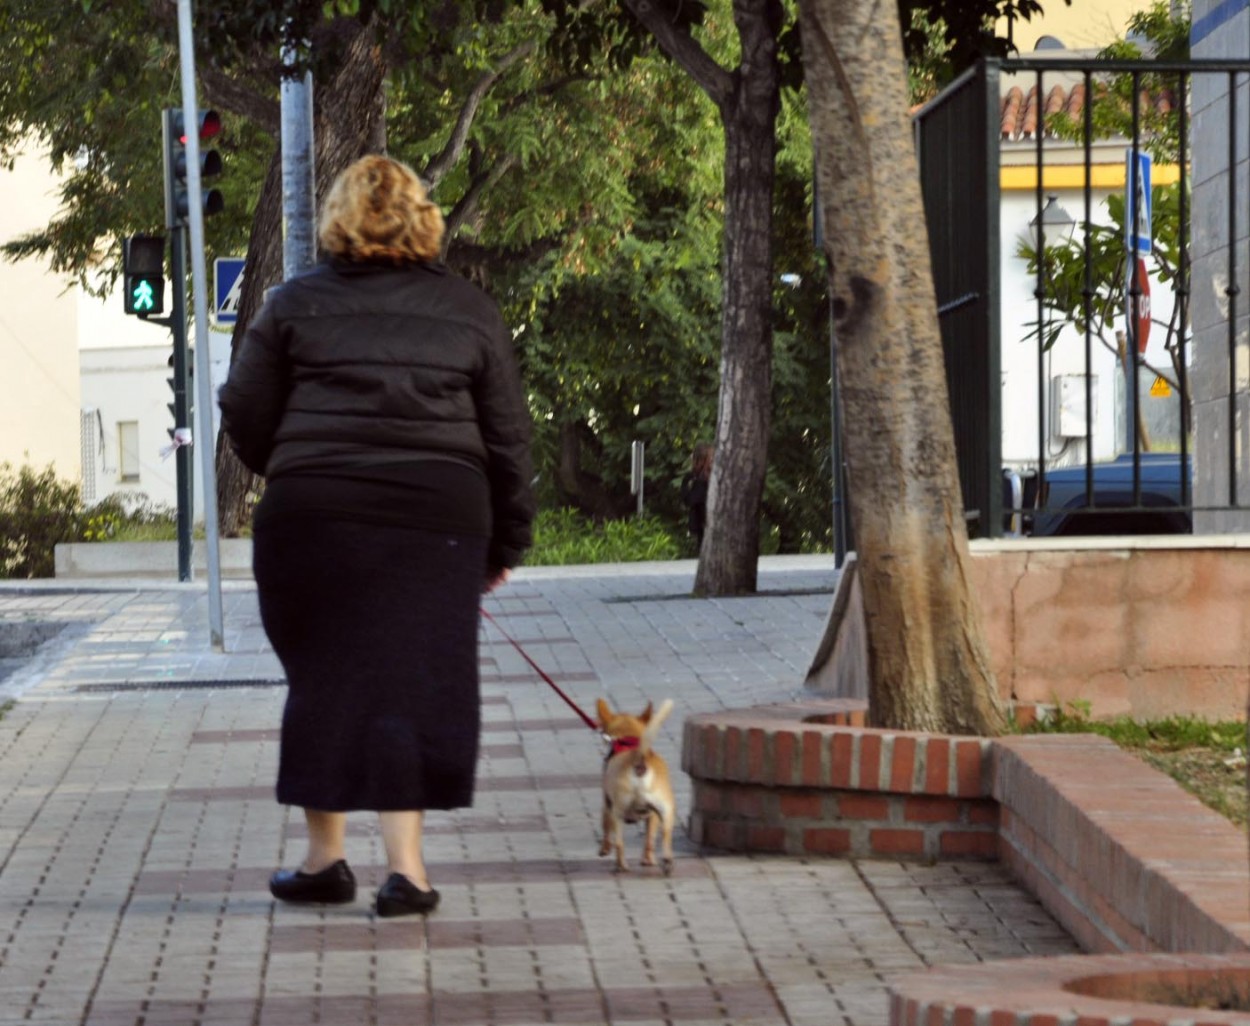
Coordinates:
1072 176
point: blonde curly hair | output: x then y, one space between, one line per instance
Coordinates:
379 211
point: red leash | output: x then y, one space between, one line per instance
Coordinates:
542 673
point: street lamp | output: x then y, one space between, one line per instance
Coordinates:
1052 221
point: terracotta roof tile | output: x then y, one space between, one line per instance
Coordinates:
1019 110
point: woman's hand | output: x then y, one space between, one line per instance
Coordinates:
494 578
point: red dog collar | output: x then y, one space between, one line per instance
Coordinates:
624 744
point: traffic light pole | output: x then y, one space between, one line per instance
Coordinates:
186 53
182 399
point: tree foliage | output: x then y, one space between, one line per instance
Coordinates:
582 176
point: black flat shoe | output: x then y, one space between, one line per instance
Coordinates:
334 885
399 896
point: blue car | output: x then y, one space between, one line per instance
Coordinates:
1059 506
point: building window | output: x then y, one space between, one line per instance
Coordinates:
128 449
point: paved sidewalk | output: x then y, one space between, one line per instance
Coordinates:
138 830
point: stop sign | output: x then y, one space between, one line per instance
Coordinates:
1141 306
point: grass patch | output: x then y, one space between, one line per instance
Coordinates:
1207 759
564 537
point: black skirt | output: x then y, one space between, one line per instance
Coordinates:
376 626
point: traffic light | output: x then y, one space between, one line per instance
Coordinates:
143 274
177 203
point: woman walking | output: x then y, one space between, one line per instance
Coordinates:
379 396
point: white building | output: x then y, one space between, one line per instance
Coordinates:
1062 367
39 333
82 384
125 408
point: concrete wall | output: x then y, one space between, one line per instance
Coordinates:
1221 30
1153 627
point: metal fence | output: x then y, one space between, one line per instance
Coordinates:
1094 467
958 156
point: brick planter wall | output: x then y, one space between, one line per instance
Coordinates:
812 780
1115 850
1106 990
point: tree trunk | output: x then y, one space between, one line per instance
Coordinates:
928 665
728 559
350 122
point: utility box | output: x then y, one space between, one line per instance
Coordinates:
1067 404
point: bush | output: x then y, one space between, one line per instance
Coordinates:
563 537
38 512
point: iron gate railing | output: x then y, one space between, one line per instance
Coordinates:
963 155
958 157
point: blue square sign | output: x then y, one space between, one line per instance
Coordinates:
227 288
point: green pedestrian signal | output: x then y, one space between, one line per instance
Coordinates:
143 269
141 296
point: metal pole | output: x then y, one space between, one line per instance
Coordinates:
203 369
299 243
182 400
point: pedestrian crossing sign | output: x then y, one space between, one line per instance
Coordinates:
227 288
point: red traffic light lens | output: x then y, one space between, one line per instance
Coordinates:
210 126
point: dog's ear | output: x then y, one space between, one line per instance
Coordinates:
604 711
646 714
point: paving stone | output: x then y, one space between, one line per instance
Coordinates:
138 829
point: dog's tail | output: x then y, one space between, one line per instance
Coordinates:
654 724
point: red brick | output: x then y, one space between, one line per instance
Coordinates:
720 833
984 813
967 1016
863 806
732 743
1043 1020
870 761
813 774
981 844
896 842
784 746
903 764
937 1015
755 754
766 838
968 769
707 798
909 1013
826 841
841 749
937 770
931 810
998 1017
709 752
857 717
747 802
801 806
1025 714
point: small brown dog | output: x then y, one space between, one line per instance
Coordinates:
636 783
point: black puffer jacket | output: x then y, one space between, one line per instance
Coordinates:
353 366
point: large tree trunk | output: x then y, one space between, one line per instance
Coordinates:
728 559
748 100
928 667
350 122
